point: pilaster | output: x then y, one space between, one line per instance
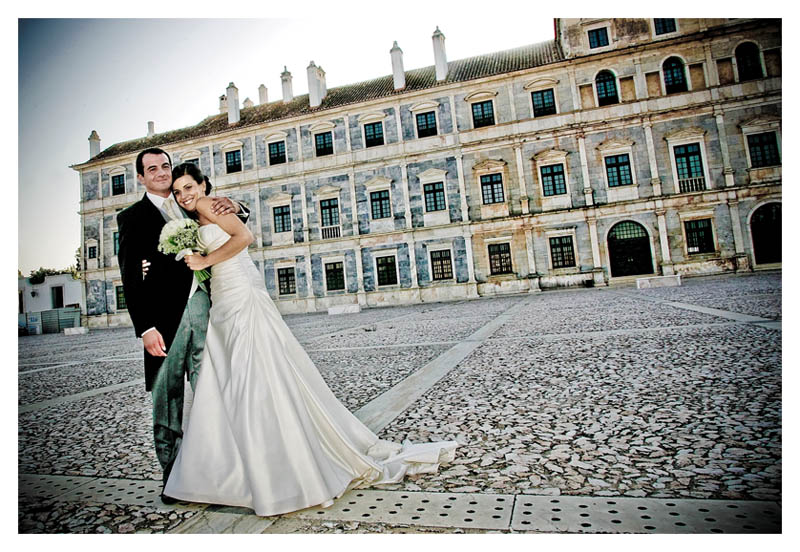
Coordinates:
655 180
587 185
666 258
462 187
524 200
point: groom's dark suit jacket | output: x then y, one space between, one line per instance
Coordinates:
158 300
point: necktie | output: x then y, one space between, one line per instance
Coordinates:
171 208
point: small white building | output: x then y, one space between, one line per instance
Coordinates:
57 293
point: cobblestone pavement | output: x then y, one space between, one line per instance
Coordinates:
586 392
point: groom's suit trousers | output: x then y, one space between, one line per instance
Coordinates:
183 359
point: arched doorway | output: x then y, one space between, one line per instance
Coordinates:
629 249
765 228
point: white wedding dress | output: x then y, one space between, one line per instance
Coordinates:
265 431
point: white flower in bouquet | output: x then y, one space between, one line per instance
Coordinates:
179 237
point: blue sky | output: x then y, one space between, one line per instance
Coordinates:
114 75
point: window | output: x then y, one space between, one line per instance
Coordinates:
373 134
598 37
553 180
442 265
426 124
689 164
283 218
748 62
324 143
381 204
277 153
194 161
544 102
482 114
763 150
492 188
664 26
330 212
57 296
606 84
562 253
387 270
286 281
118 184
92 253
699 237
233 161
618 170
674 76
116 243
334 276
434 197
499 258
121 304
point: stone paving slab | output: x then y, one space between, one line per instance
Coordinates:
69 380
693 413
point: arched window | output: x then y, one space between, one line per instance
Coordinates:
606 88
748 61
674 76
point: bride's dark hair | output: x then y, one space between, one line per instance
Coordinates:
194 171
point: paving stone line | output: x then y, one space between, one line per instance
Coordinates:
78 396
380 411
688 306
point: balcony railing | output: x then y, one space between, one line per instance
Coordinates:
330 232
696 184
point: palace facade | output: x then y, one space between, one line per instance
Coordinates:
620 149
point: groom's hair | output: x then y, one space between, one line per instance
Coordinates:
153 151
194 171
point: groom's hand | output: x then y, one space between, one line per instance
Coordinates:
154 343
223 206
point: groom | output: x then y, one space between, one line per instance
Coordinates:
168 309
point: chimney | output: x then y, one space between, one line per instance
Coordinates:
286 82
315 85
233 104
439 56
223 104
94 144
323 87
151 129
248 102
262 94
397 67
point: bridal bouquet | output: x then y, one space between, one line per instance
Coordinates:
180 237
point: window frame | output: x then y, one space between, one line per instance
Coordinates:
316 144
761 64
332 261
694 216
233 152
441 217
496 243
542 178
378 256
596 89
685 137
425 107
115 242
589 35
684 71
540 85
329 208
669 34
112 177
372 124
270 162
425 196
288 214
435 125
119 291
493 188
750 135
278 269
560 233
449 251
387 199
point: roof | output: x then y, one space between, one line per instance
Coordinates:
487 65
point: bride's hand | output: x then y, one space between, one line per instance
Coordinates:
196 261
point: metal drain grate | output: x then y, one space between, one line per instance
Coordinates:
480 511
48 486
123 491
644 515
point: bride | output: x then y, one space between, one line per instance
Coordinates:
265 431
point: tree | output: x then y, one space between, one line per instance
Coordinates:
38 276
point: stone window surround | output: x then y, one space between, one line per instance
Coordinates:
617 146
328 192
116 284
686 73
609 24
322 127
379 184
280 199
488 167
552 157
662 36
539 84
481 96
735 63
651 239
285 264
116 171
372 117
556 233
425 107
442 247
92 263
681 138
759 125
756 207
616 85
328 259
698 215
190 154
434 218
232 146
272 138
506 238
392 252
